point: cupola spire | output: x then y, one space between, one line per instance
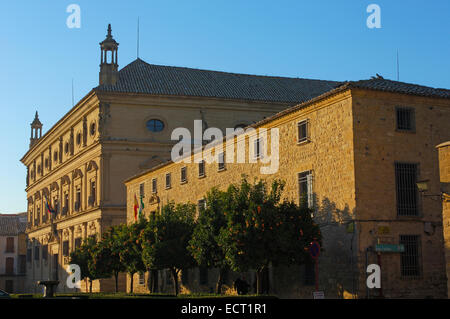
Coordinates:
109 73
36 130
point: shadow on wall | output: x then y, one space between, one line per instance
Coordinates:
338 271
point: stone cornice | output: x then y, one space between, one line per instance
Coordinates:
87 102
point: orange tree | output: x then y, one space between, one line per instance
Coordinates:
106 254
83 257
260 230
204 245
130 254
165 240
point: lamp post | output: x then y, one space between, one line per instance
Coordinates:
422 186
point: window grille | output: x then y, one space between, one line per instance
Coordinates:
410 258
305 183
201 168
221 160
407 193
154 189
168 180
303 134
405 119
183 174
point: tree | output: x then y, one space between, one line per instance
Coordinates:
131 253
261 231
83 256
204 245
106 255
165 240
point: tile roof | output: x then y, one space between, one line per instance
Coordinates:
381 84
12 224
142 77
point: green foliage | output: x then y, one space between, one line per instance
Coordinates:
166 237
106 255
131 253
83 257
261 230
204 245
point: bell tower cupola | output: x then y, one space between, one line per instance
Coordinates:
36 130
108 60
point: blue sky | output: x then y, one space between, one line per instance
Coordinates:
40 55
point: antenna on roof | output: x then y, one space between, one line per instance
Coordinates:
398 68
138 38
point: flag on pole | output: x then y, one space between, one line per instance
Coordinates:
141 207
135 207
49 207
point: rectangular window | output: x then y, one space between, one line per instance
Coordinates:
29 255
257 148
141 190
405 119
154 186
93 193
22 264
77 242
66 204
66 248
410 258
36 253
201 205
9 269
303 131
168 180
201 169
45 252
305 185
407 192
203 275
9 245
221 160
183 175
77 205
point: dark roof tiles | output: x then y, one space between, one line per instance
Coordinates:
12 224
141 77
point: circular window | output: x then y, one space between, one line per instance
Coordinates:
78 138
66 147
155 125
93 128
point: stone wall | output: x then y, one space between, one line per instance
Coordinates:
444 164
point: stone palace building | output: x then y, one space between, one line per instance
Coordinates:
119 129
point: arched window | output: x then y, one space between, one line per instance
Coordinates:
155 125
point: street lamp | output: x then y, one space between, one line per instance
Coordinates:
422 186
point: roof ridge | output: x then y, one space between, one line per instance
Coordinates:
224 72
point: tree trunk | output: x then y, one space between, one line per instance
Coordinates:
220 281
116 276
175 280
90 285
131 283
259 280
262 281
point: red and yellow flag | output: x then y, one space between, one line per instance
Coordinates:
136 205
